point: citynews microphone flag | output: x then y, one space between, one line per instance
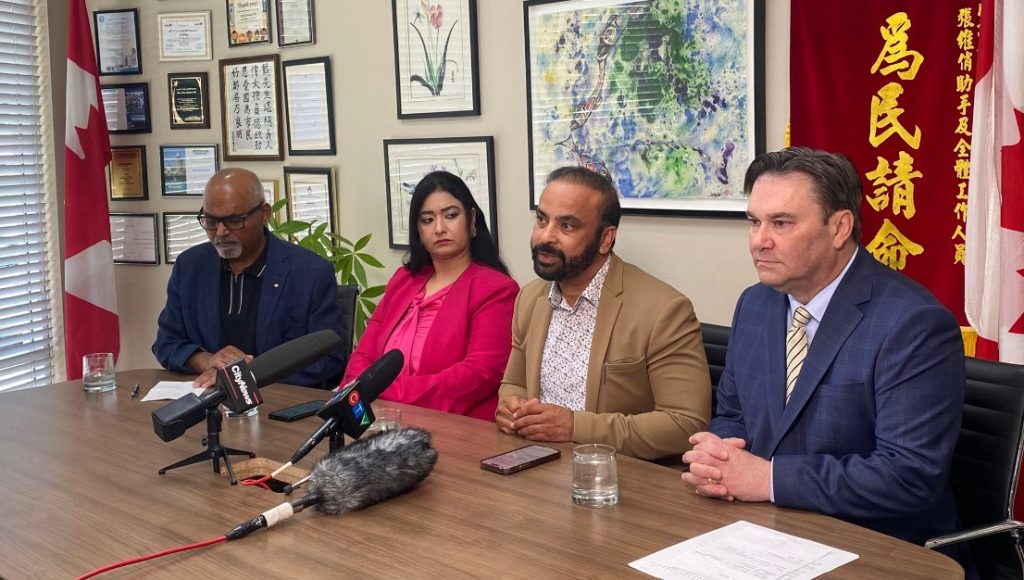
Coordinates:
994 273
90 302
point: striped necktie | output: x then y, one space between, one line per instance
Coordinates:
796 348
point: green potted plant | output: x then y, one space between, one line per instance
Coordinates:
349 259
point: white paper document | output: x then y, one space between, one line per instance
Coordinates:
744 551
170 390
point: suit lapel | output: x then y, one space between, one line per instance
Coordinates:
841 318
274 278
534 341
208 309
608 307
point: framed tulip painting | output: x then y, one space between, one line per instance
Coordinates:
435 58
664 97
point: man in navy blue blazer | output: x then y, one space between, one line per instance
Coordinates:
246 291
867 434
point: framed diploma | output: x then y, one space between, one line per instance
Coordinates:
250 104
272 193
117 41
133 238
128 173
310 193
188 98
296 23
310 106
184 36
185 169
181 232
127 108
406 161
248 22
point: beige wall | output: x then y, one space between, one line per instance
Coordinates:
704 258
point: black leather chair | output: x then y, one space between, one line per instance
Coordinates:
716 341
348 294
986 468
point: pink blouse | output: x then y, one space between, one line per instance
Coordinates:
411 333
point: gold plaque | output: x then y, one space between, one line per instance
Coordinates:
128 173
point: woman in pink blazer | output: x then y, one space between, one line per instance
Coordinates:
448 309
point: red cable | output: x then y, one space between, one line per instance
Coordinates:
261 482
152 556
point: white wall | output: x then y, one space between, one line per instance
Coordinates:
704 258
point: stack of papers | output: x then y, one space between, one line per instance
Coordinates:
170 390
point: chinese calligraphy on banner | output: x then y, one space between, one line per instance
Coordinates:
890 86
251 108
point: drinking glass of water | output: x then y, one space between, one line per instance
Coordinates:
98 372
595 476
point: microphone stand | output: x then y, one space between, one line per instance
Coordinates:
214 450
335 439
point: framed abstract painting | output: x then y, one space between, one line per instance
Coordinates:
664 97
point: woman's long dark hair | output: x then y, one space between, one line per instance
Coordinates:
481 247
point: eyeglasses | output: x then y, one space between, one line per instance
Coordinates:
231 222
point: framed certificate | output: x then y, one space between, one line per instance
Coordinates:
185 169
310 106
184 36
296 23
128 173
181 232
248 22
272 193
127 108
250 100
117 41
133 238
188 98
310 193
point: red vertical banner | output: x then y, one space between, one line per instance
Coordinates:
890 86
90 301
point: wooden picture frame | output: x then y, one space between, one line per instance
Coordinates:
184 36
250 104
296 22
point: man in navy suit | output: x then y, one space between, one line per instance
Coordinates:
246 291
872 417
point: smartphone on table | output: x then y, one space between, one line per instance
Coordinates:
520 459
298 411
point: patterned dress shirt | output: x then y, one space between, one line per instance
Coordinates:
563 369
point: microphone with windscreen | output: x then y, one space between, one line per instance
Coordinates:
369 471
238 383
349 410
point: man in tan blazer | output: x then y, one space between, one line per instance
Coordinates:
602 352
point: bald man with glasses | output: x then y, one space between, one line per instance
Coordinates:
246 291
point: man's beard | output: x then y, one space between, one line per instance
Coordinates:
228 251
570 267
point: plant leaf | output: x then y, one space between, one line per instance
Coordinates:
369 260
444 60
362 242
372 292
360 273
293 227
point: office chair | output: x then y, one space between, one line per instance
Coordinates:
348 294
716 342
986 468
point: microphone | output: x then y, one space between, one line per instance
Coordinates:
238 383
369 471
351 406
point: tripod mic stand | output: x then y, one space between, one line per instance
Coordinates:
214 450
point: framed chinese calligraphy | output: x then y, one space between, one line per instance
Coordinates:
250 100
436 58
406 161
633 90
310 193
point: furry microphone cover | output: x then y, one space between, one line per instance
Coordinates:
372 469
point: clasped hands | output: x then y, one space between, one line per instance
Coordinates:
723 468
207 364
534 420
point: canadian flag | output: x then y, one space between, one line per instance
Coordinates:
90 302
994 285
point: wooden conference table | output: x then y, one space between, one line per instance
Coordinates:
80 490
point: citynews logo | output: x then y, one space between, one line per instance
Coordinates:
243 387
